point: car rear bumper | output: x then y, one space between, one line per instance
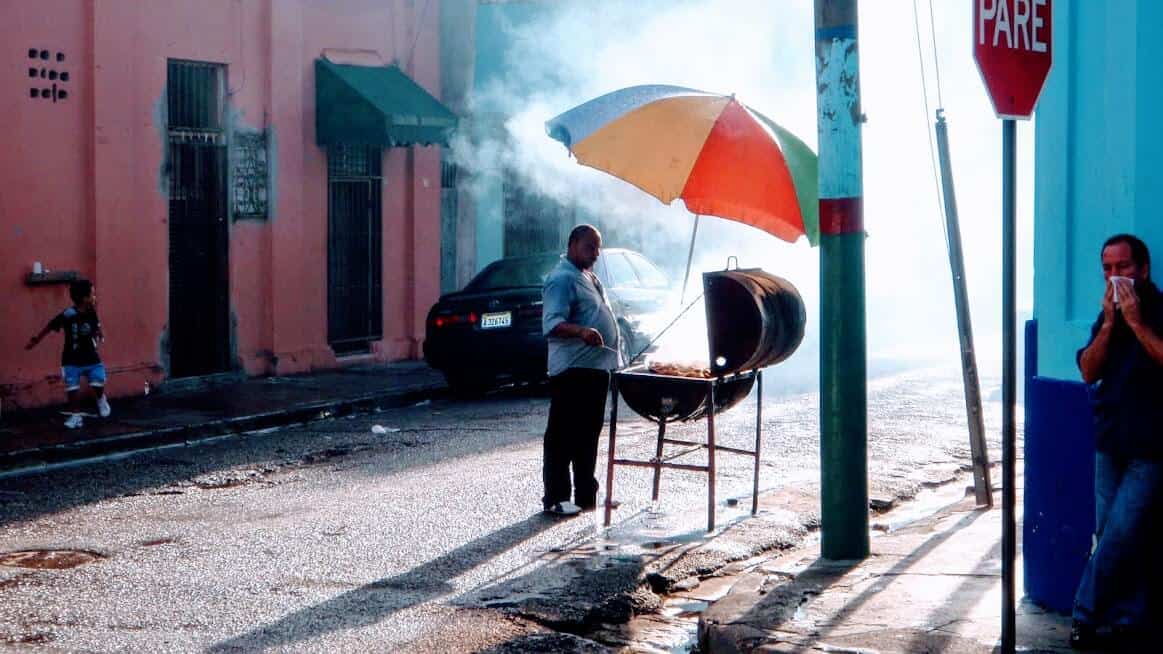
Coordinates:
487 354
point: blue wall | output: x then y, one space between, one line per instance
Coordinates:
496 26
1099 162
1058 497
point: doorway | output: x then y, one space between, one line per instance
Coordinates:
199 284
354 248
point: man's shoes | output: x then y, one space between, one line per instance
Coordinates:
590 506
1125 638
103 408
563 509
74 421
1085 636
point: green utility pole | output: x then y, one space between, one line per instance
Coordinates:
843 352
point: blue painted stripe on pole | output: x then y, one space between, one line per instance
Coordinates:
837 32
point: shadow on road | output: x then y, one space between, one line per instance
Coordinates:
371 603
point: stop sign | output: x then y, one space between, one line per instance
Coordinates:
1011 43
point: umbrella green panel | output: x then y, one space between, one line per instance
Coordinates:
376 105
803 164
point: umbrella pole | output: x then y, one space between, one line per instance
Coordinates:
690 255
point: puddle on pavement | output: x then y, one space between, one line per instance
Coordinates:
39 638
674 630
684 607
48 559
232 478
926 503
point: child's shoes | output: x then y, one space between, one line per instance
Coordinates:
74 421
103 407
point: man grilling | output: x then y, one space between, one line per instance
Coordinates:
583 348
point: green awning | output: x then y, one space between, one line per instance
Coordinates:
376 105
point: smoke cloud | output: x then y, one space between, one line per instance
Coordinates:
560 54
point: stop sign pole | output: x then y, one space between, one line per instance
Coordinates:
1011 43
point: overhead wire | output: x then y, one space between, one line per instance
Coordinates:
936 57
928 131
416 36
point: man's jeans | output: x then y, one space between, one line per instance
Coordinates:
1116 580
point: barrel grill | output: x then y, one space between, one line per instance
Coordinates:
754 320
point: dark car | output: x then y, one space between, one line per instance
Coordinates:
490 331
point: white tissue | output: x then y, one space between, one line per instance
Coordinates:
1117 281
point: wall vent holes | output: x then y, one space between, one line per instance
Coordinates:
55 92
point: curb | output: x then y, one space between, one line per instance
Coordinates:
39 459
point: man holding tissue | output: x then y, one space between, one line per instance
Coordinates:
1124 362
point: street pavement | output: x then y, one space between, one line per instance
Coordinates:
417 529
182 412
932 583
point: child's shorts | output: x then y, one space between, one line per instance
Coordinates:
94 373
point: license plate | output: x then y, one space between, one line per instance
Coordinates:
497 320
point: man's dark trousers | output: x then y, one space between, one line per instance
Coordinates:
576 413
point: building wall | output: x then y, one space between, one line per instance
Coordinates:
83 180
46 180
1099 157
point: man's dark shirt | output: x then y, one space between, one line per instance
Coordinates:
1128 398
81 332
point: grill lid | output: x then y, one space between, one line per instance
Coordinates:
754 319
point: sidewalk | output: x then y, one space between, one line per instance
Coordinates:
930 585
188 412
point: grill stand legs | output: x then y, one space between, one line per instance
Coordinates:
758 434
658 457
711 457
659 462
610 458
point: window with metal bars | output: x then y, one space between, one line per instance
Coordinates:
354 161
194 95
448 173
449 220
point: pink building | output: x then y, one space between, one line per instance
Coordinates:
245 181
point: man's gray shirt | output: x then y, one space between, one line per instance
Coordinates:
570 295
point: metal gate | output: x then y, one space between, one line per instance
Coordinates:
354 248
199 331
199 312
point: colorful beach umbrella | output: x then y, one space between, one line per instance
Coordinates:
720 156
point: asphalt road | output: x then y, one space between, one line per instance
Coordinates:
419 529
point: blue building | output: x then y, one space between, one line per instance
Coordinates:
1099 159
488 212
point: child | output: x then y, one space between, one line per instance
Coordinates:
79 357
